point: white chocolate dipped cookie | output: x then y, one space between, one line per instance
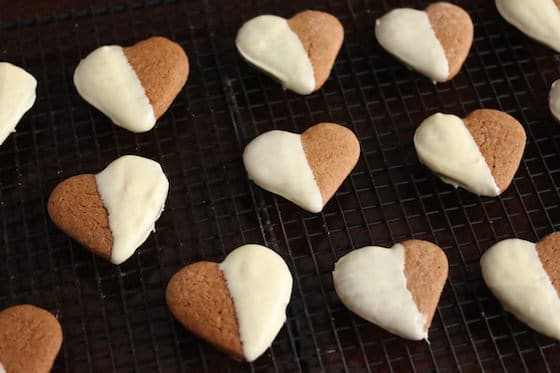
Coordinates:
435 41
17 96
238 305
481 152
305 169
135 85
538 19
396 288
299 52
113 212
554 99
525 277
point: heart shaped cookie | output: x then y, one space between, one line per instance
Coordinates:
17 95
538 19
238 305
111 213
30 339
306 169
480 153
397 289
299 51
434 42
525 277
134 85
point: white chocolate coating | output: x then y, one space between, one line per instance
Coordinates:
554 99
371 282
276 161
538 19
269 43
133 190
107 81
17 95
445 145
514 273
260 285
408 35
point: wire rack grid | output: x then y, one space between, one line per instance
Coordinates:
114 318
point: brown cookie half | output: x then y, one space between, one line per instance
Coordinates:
501 140
321 35
425 269
548 250
76 207
162 67
332 151
30 339
199 298
454 29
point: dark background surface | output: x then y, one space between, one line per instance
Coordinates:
114 318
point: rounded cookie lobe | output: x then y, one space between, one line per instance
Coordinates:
162 67
76 207
321 35
332 151
501 140
30 339
548 250
454 29
199 298
425 269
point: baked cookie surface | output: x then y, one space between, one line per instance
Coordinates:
30 339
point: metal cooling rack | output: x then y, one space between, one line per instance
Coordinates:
115 318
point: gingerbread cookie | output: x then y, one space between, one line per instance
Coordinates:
30 339
238 305
525 277
111 213
397 289
306 169
134 85
480 153
299 52
17 95
538 19
435 41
